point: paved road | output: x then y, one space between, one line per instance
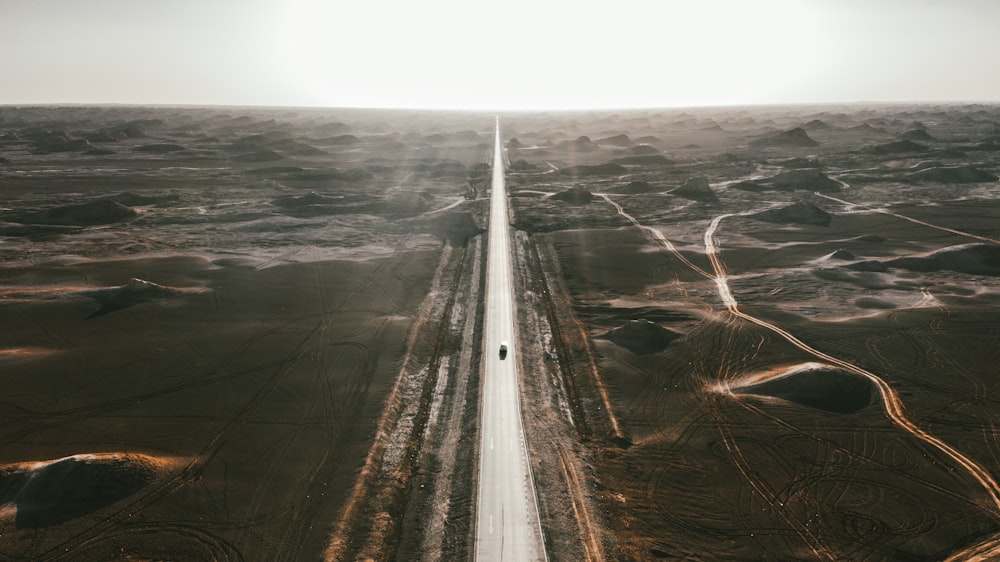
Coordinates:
507 526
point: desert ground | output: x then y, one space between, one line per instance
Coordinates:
744 333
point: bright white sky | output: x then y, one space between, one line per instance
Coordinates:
504 54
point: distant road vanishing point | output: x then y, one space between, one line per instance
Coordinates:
507 526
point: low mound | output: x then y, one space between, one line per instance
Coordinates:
648 139
50 493
697 189
641 337
608 169
953 174
581 144
807 178
843 254
816 125
796 137
101 211
645 160
522 165
159 148
575 195
796 213
897 147
817 386
973 259
136 291
514 143
920 134
617 140
636 188
643 150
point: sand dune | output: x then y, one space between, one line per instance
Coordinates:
797 213
641 337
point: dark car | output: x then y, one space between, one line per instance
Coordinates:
503 350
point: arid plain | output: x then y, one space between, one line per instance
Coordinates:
744 333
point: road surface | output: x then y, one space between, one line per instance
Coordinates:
507 525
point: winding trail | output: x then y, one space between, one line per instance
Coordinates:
892 404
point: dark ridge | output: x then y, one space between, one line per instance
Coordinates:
796 137
648 139
816 125
581 144
972 259
953 174
340 140
575 195
796 213
872 303
92 213
645 160
916 135
522 165
642 150
136 291
621 141
896 147
871 266
807 178
641 337
843 254
697 189
608 169
824 388
867 129
69 488
514 144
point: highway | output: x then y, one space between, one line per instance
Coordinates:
507 526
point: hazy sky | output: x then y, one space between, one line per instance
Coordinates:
467 54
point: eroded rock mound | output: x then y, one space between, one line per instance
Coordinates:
796 137
92 213
514 143
697 189
953 174
641 337
456 227
796 213
919 134
973 259
575 195
50 493
817 386
806 178
643 150
617 140
136 291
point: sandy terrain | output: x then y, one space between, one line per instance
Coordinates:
744 334
216 323
780 325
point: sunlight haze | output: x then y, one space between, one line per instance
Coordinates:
442 53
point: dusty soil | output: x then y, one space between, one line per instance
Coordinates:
240 334
226 333
843 406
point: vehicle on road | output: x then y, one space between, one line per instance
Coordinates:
503 350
